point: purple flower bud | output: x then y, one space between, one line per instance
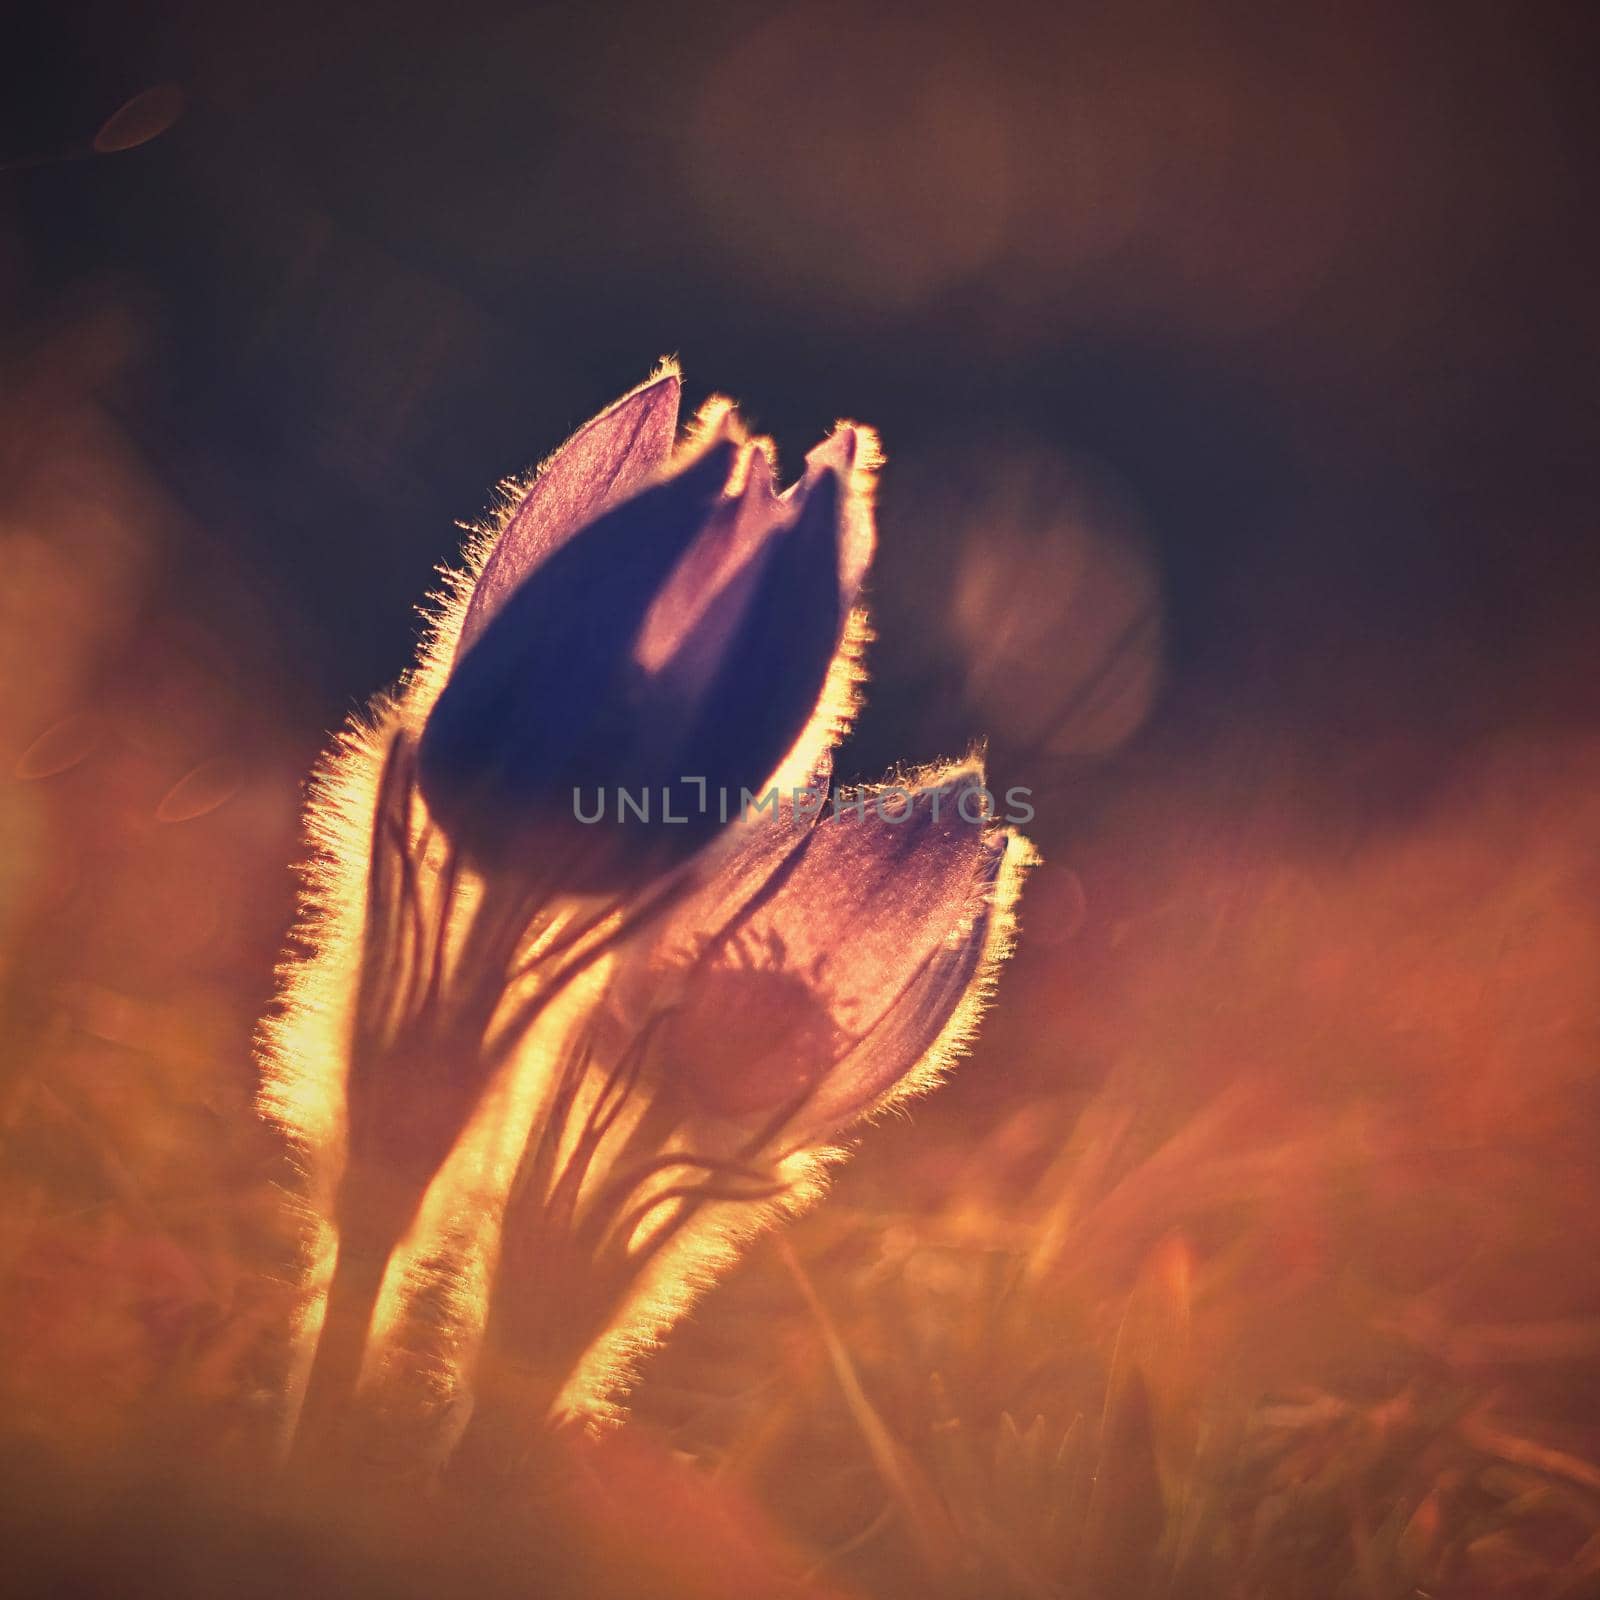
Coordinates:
667 635
845 968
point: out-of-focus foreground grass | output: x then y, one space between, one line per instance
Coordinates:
1252 1255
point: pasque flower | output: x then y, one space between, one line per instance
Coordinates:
638 619
657 619
668 631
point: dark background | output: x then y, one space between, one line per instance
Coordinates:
1314 287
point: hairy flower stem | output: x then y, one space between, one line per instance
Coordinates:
421 1063
352 1299
417 1072
582 1230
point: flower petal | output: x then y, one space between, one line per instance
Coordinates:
892 911
775 649
610 457
851 451
928 1012
698 605
528 711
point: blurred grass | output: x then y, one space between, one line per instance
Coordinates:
1085 1414
1285 1288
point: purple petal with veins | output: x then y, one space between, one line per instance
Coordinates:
852 452
850 954
911 1026
612 456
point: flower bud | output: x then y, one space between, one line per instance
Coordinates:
606 710
847 972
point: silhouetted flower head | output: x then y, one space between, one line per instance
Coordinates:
665 627
828 969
